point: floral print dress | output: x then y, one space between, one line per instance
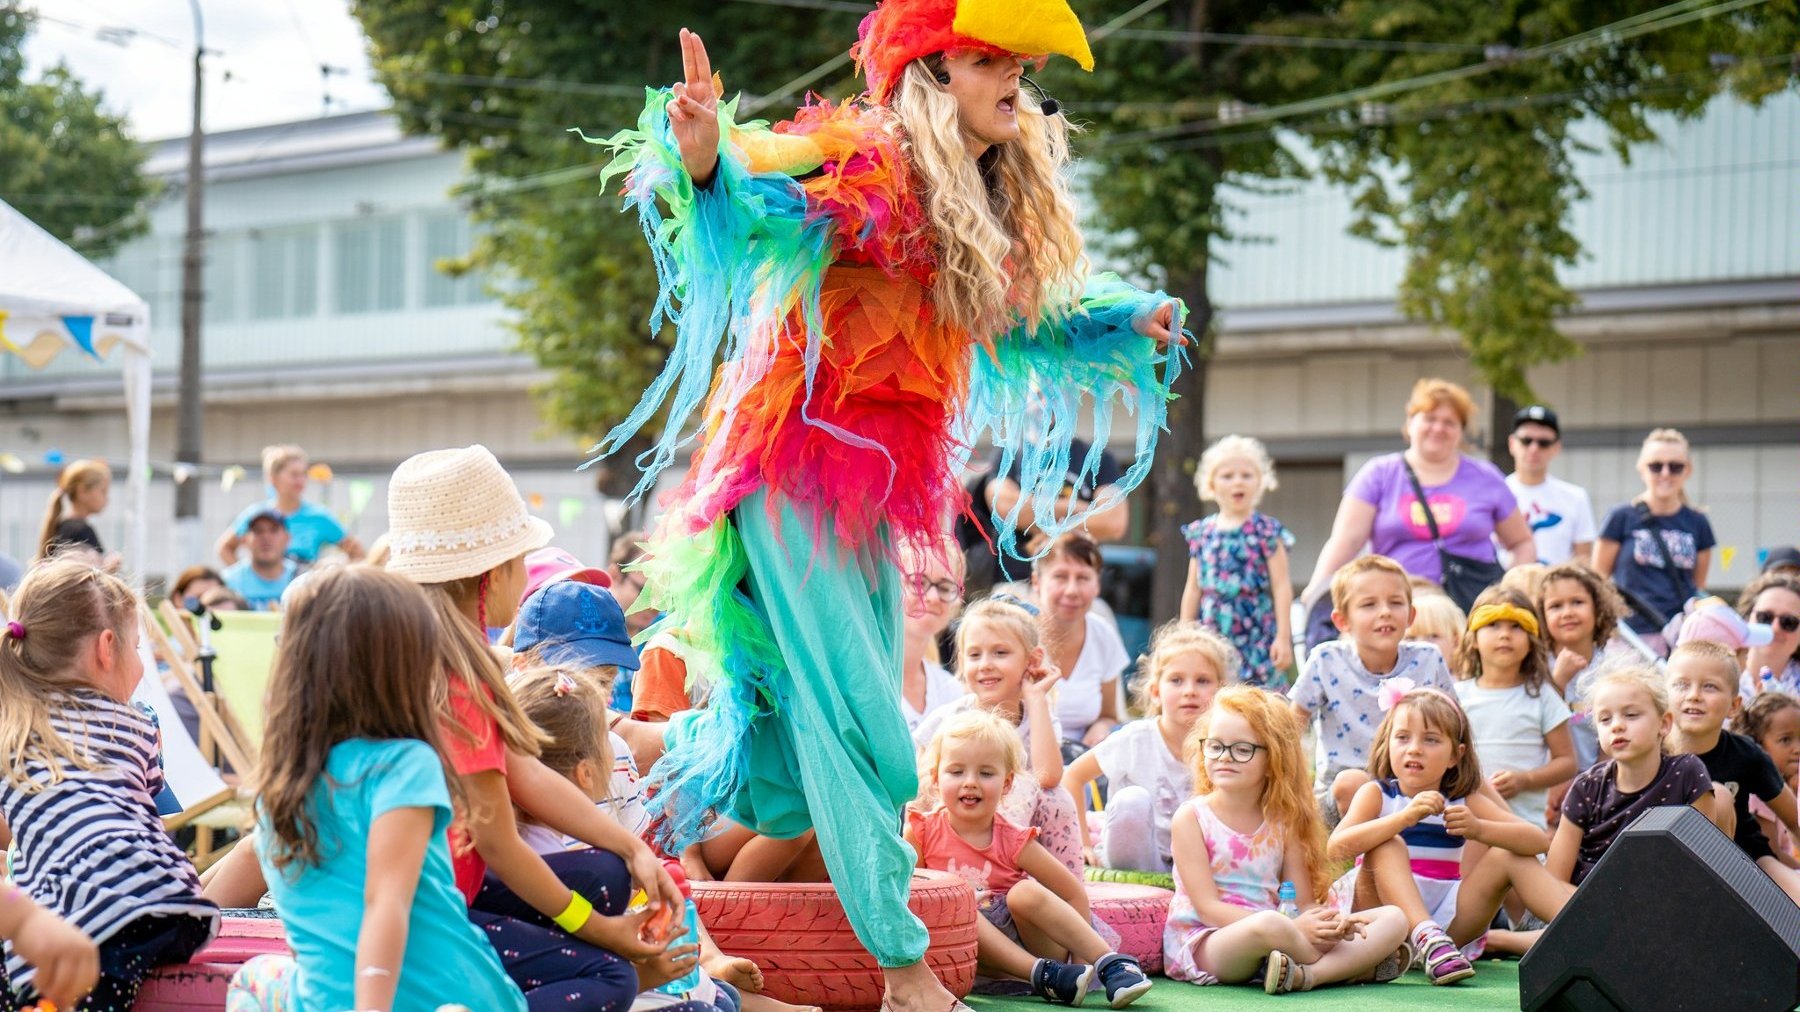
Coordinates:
1246 869
1236 594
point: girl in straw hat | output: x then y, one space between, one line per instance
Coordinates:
458 527
889 280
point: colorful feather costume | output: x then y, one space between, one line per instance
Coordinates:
834 412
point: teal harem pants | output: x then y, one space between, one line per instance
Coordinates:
835 754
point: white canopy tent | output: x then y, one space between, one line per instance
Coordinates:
52 300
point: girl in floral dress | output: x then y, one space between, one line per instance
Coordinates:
1238 576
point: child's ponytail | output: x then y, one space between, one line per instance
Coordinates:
78 477
59 606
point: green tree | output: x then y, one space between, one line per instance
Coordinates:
1453 125
65 162
505 80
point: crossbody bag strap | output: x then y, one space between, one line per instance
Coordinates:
1647 520
1419 490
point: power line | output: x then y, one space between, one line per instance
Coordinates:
1618 31
1299 41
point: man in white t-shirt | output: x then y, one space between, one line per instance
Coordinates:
1560 515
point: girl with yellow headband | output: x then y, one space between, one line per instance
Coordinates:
1521 729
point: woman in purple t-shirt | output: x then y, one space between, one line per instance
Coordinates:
1468 496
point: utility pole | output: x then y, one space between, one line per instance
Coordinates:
193 304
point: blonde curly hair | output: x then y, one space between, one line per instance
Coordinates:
1008 245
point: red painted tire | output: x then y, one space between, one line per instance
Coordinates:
1138 914
800 937
201 984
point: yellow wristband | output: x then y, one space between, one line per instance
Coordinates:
576 914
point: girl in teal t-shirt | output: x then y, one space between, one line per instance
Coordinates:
352 812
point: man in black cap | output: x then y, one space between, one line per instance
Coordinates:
1559 512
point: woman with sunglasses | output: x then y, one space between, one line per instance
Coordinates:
1670 541
1773 599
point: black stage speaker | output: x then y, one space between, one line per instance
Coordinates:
1673 917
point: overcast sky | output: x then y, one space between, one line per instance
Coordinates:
267 70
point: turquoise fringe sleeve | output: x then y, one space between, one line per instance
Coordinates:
1030 395
732 259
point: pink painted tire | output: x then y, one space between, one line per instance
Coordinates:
201 984
800 937
1138 914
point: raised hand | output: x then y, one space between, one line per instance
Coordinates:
1040 678
694 111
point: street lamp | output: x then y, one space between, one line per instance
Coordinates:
193 304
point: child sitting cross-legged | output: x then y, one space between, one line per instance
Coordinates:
78 786
1034 922
1407 827
1371 604
1252 832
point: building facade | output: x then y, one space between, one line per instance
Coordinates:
330 324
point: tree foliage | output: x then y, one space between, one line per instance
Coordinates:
65 162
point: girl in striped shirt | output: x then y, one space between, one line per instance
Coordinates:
80 796
1407 827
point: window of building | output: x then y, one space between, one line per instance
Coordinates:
449 235
370 265
284 265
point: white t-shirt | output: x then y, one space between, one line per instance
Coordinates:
1509 727
1102 659
1559 514
1136 756
941 689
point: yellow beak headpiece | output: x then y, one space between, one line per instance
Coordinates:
898 32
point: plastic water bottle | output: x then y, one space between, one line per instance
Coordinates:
1768 680
1290 905
691 936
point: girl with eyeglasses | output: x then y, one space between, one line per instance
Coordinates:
1251 830
1773 599
1670 542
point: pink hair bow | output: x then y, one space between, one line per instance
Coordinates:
1393 690
565 684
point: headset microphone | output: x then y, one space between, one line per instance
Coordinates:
1047 105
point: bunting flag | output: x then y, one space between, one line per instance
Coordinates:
1726 554
320 473
536 501
6 342
81 328
11 464
229 477
1762 557
568 511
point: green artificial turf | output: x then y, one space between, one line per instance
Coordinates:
1494 988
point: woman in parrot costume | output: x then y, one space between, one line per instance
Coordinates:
859 294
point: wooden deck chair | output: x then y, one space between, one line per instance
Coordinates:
180 627
215 731
207 803
245 645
